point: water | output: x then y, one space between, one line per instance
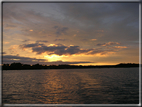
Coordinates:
71 86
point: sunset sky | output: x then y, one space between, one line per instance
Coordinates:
71 33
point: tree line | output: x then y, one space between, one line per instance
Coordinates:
20 66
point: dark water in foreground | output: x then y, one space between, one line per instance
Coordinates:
71 86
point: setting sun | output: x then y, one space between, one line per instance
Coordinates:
53 57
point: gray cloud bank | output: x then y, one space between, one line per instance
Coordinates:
13 58
8 59
119 21
60 49
60 30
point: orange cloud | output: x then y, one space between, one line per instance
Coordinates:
120 47
6 42
93 39
31 30
74 35
108 44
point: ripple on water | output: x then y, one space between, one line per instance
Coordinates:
71 86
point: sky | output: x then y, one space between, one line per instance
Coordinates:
71 33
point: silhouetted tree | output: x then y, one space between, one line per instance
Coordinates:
37 66
16 65
26 66
5 66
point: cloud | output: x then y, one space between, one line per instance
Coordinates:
60 30
26 17
102 21
29 45
26 60
9 26
74 35
3 53
118 20
61 62
108 44
27 40
38 41
120 47
14 49
60 39
93 39
12 58
31 30
19 14
60 49
5 42
99 13
44 41
83 39
113 21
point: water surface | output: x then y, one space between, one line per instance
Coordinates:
71 86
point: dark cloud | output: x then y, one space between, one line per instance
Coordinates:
61 62
29 45
26 60
119 21
60 30
26 40
60 49
83 39
12 58
3 53
100 13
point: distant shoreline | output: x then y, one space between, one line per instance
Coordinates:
19 66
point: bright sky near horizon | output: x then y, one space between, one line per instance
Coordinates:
71 33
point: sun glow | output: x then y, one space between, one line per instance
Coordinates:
52 45
31 30
54 57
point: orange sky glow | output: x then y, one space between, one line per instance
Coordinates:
71 33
